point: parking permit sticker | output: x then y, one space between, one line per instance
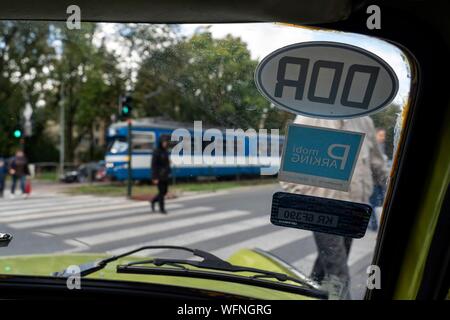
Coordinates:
317 214
320 157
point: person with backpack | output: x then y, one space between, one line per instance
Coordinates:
18 169
161 173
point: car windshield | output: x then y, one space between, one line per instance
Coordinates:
187 94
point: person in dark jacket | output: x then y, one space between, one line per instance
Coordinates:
18 169
3 173
161 173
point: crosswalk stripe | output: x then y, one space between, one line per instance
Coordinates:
200 196
189 238
361 247
306 263
17 209
85 216
43 215
36 201
78 204
130 233
267 242
88 226
361 264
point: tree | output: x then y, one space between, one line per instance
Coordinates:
45 66
88 85
91 77
138 42
25 58
202 78
99 97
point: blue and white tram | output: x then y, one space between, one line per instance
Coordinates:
146 134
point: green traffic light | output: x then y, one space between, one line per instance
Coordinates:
125 110
17 133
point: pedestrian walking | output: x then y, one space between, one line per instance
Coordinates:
377 197
331 266
161 173
18 169
3 174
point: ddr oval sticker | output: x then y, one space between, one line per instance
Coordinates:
326 80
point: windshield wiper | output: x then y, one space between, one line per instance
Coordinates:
5 239
209 261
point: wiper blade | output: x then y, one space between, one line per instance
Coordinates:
209 261
92 267
5 239
213 263
255 281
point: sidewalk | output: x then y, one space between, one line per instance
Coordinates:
38 187
52 188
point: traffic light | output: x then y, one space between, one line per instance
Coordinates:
17 133
126 107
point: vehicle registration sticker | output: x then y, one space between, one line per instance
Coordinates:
317 214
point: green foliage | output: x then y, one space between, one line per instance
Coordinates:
202 78
48 67
24 56
89 83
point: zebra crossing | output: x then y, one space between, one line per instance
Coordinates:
218 223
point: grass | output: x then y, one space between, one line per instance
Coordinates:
120 189
47 176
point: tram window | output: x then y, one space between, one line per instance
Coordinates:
143 141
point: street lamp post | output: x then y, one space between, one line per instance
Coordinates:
130 141
62 121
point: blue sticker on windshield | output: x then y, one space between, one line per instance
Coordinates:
320 157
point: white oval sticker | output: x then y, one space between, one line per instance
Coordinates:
326 80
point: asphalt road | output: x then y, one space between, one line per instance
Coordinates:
221 222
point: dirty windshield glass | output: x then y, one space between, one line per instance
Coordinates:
206 147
